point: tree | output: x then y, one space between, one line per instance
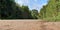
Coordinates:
51 10
7 8
35 13
26 13
43 12
10 10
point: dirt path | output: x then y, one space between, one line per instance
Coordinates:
29 25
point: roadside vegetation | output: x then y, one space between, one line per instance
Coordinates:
51 11
9 9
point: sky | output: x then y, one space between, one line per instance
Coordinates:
32 4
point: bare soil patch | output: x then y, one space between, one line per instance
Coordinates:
28 25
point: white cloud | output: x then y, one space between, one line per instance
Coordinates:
45 4
22 2
32 5
36 6
19 2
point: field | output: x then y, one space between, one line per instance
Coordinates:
28 25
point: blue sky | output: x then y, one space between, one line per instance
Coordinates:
32 4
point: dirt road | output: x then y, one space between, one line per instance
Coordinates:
28 25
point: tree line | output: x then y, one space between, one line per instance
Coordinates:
51 11
9 9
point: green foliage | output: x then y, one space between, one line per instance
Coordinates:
10 10
35 13
7 7
51 11
43 12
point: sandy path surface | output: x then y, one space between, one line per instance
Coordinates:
28 25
